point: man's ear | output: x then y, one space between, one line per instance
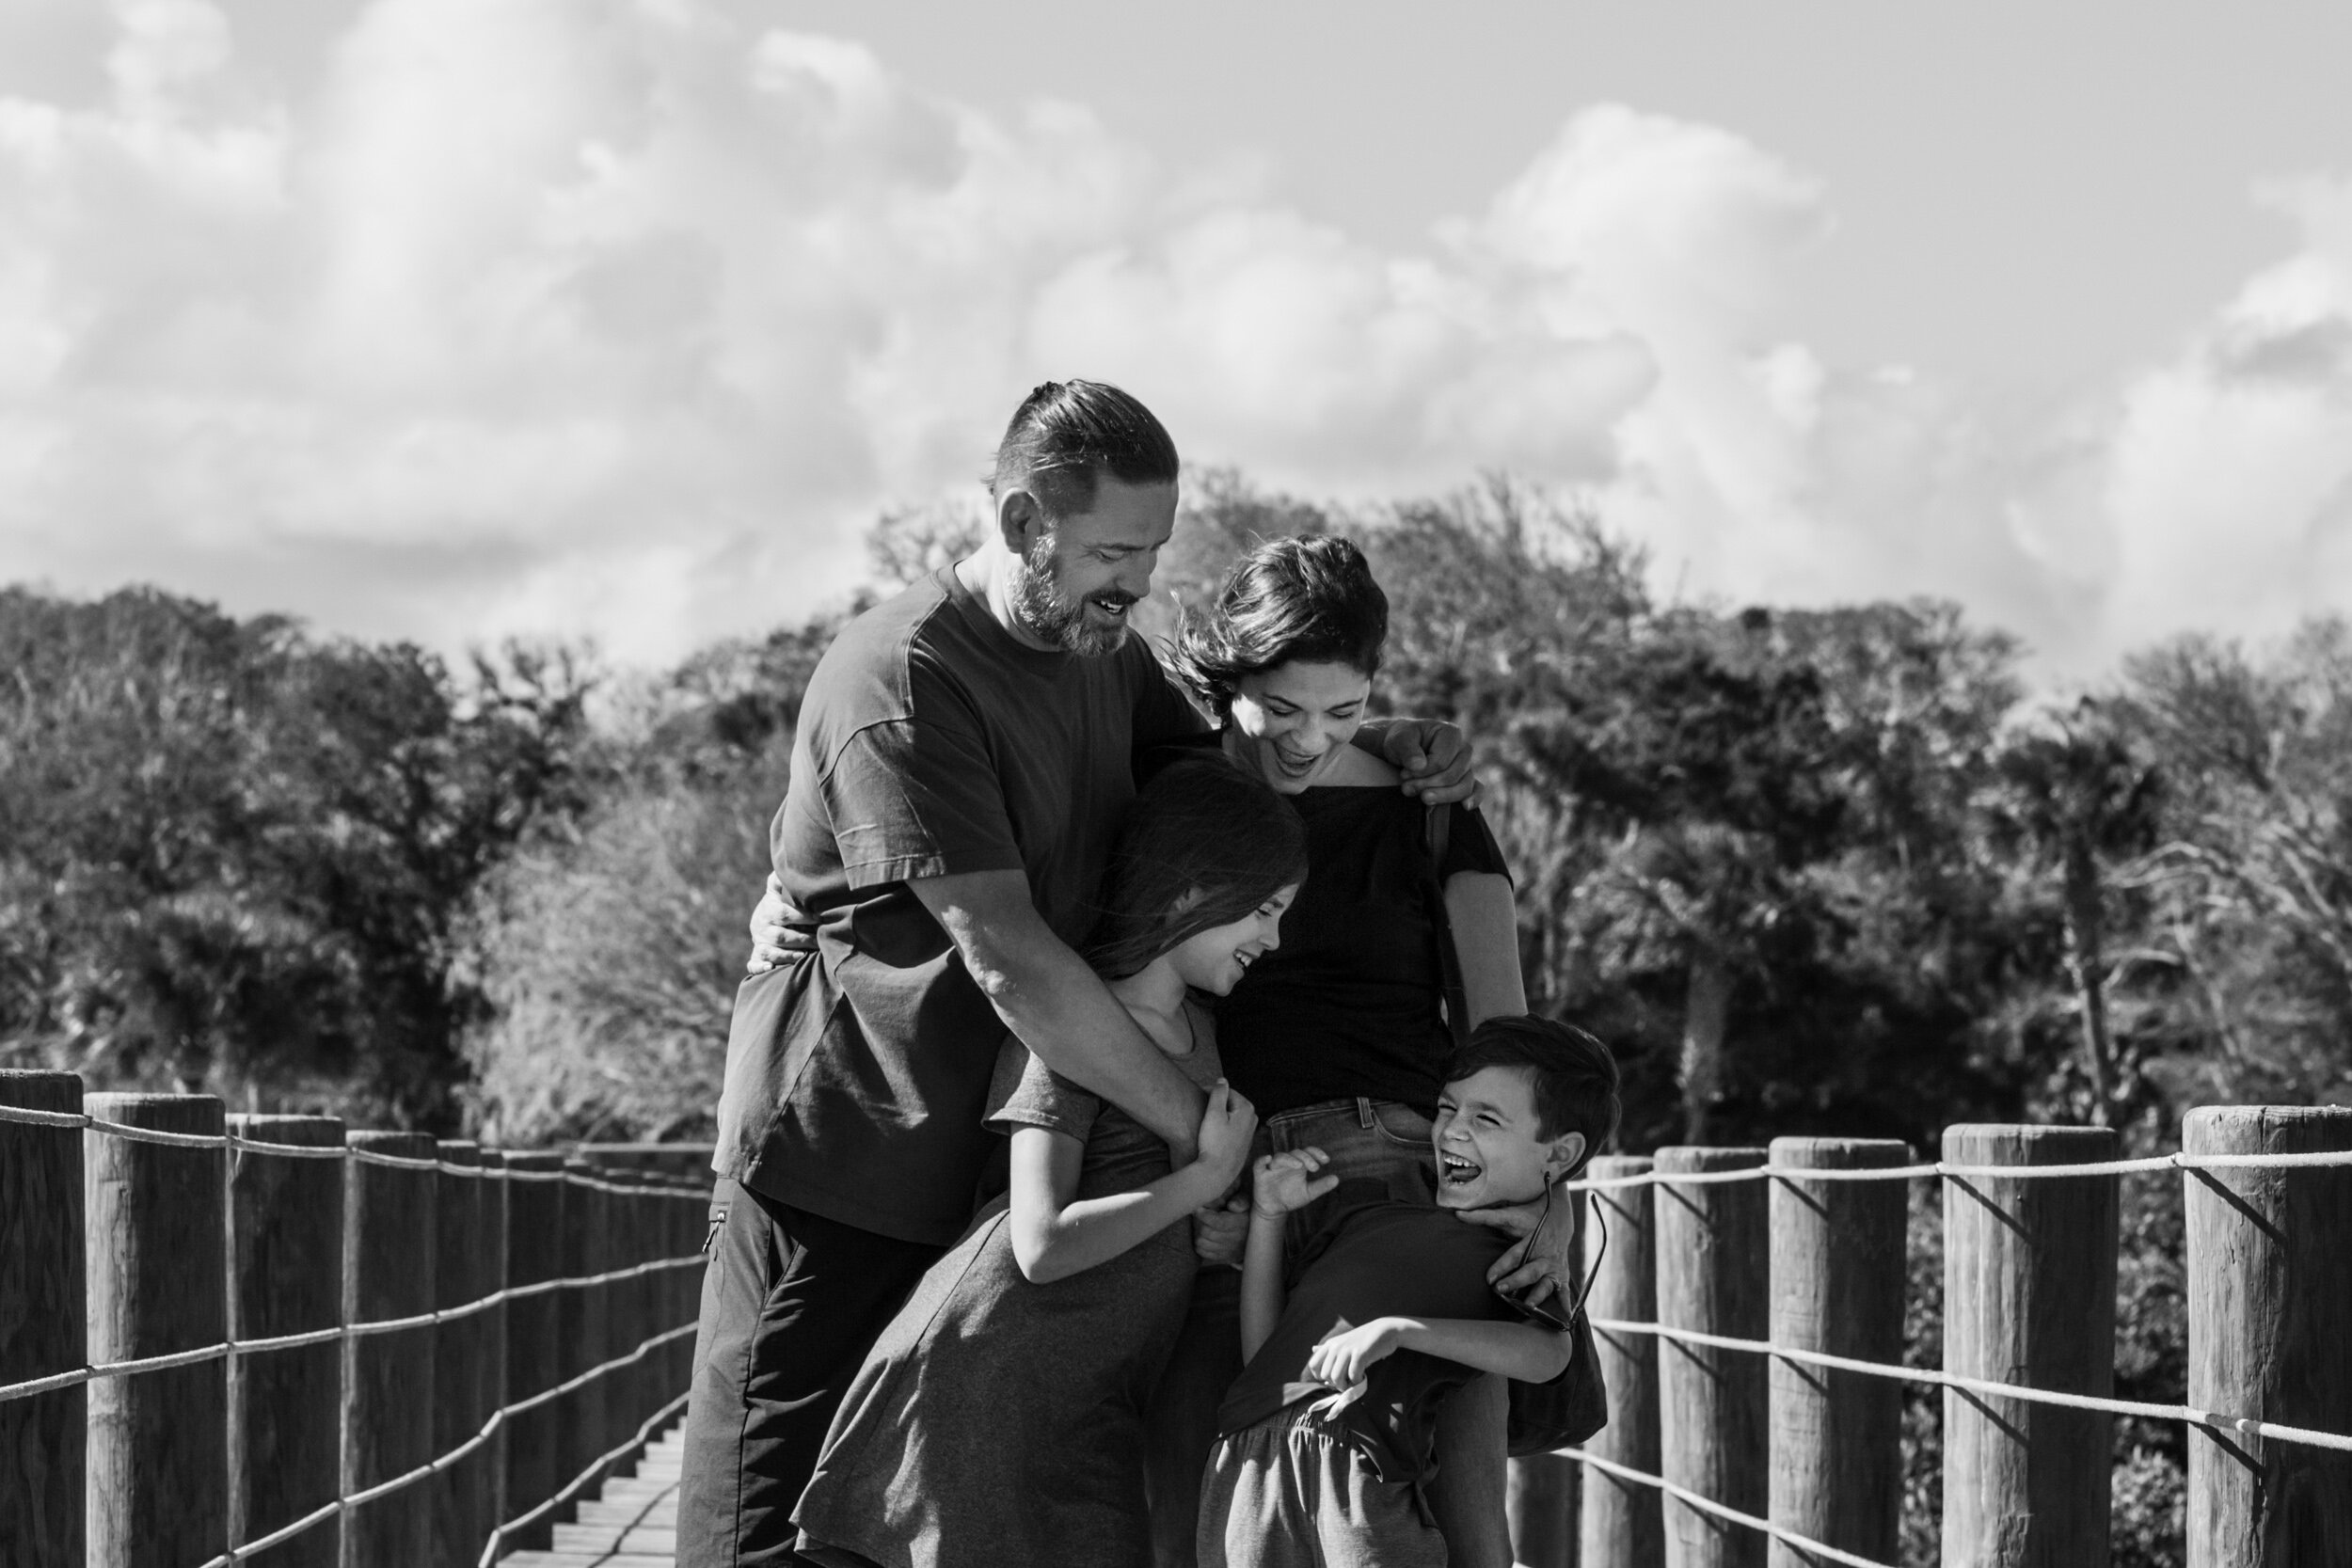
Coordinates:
1019 520
1566 1153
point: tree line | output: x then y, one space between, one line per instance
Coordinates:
1829 870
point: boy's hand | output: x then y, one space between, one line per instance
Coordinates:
1219 1229
1227 1125
1285 1184
1342 1360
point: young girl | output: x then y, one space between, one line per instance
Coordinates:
1000 1416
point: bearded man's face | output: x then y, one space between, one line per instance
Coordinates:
1081 573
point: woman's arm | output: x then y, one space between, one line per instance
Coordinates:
1487 941
1053 1238
1514 1349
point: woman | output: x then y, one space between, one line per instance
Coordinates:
1339 1039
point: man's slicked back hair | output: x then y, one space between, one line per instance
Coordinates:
1067 433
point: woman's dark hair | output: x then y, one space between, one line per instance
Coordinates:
1201 826
1066 434
1311 598
1573 1075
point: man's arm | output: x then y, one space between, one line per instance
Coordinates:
1058 1006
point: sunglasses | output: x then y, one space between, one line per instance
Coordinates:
1548 1310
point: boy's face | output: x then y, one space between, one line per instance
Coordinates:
1488 1150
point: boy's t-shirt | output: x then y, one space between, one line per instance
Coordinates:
1375 1258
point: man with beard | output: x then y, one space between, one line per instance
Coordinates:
960 770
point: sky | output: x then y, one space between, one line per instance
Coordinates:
452 320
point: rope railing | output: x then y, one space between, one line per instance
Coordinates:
2029 1258
622 1220
2143 1166
73 1120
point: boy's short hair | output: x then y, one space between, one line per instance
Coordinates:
1573 1075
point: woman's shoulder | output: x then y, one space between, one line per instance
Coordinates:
1357 769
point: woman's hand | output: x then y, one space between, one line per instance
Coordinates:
1227 1125
1544 1263
1285 1184
1342 1360
1219 1230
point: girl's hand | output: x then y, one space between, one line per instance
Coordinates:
1227 1125
1285 1184
1219 1230
1342 1360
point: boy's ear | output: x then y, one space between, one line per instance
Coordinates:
1566 1153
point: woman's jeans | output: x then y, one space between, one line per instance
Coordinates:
1365 1138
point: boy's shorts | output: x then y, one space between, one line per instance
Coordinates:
1286 1493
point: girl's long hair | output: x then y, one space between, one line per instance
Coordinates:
1201 826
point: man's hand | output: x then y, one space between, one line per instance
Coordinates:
1544 1262
1284 1183
1342 1360
1228 1122
1433 757
773 942
1219 1230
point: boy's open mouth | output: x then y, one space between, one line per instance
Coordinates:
1456 1170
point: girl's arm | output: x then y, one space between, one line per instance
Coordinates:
1054 1237
1261 1282
1281 1184
1487 941
1522 1350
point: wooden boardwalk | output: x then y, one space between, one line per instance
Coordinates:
632 1524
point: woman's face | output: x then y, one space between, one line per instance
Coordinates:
1289 722
1215 960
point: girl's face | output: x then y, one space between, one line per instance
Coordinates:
1215 960
1289 722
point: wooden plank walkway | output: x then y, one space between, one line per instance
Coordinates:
632 1524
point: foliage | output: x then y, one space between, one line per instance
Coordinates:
230 856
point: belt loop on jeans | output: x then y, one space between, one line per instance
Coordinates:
1363 1112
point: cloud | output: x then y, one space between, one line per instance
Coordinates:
625 316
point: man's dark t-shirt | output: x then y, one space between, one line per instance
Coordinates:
1377 1258
931 743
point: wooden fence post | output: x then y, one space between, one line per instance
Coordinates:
43 1323
158 1239
2029 1298
1542 1492
388 1378
456 1492
285 1406
536 1354
1838 1287
1713 1276
631 1297
585 1319
1622 1523
490 1275
2270 1283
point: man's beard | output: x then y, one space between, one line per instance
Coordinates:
1051 614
